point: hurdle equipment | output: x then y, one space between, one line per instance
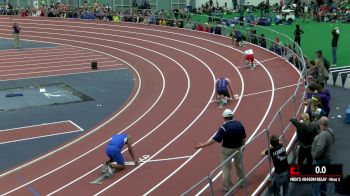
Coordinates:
94 65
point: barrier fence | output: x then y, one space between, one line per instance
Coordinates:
259 36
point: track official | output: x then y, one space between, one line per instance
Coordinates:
16 32
232 136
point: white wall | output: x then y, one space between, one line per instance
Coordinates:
230 5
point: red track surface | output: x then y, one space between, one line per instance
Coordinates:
168 114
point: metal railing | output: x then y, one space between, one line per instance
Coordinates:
279 124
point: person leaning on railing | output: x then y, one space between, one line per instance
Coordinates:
279 157
306 132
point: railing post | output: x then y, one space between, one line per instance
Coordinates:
268 147
281 122
295 105
245 185
211 186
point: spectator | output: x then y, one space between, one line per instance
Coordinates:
335 37
232 136
199 27
324 98
320 151
306 133
297 34
262 41
320 56
238 36
312 71
207 28
322 75
279 157
314 107
276 46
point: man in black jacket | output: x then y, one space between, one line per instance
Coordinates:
306 133
335 37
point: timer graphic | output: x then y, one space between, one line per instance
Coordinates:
315 173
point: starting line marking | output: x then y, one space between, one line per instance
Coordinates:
261 92
145 159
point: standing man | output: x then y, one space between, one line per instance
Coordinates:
335 37
306 133
16 32
280 162
232 136
297 34
223 91
114 151
321 152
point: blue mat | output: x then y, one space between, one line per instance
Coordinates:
6 44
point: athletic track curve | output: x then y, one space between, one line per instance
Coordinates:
168 113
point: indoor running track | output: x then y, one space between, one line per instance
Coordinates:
169 112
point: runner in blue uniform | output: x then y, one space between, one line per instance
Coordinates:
223 91
114 151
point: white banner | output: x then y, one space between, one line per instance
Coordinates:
36 4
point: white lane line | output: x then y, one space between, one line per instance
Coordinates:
163 87
208 102
38 125
260 124
90 132
41 59
42 136
57 70
58 62
34 50
55 66
48 53
266 91
77 126
66 74
277 57
212 42
258 127
279 88
168 159
187 91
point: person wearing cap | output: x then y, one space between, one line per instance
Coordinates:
335 37
114 151
232 136
223 91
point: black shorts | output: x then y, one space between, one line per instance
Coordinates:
223 92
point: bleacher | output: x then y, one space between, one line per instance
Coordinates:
339 77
